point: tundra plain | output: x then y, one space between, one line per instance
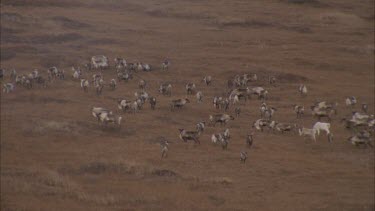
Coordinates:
55 156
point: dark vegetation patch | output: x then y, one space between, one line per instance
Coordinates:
120 167
102 41
164 173
247 23
217 201
101 167
41 3
12 17
57 60
45 127
299 29
168 118
264 73
314 3
119 132
8 37
10 52
70 23
178 15
156 140
263 24
6 54
8 30
45 100
40 39
54 38
39 99
358 49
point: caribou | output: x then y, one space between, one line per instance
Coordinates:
179 103
222 118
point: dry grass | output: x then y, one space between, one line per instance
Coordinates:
55 156
45 182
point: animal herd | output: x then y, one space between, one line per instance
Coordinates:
361 124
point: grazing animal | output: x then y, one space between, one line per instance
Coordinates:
239 93
76 73
364 107
99 61
318 126
323 105
224 104
272 80
358 119
207 80
307 132
8 87
224 143
166 89
88 66
351 101
299 110
236 100
41 81
220 139
120 63
320 112
237 111
99 89
260 124
97 111
201 126
244 79
263 109
361 138
302 89
179 103
165 65
144 67
226 134
142 95
243 156
217 101
199 96
152 101
13 74
85 85
61 74
19 80
281 127
260 92
53 72
189 135
269 112
216 138
231 83
113 84
142 84
110 118
164 147
135 106
222 118
250 139
124 104
190 88
28 84
125 76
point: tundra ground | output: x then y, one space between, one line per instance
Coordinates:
54 155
